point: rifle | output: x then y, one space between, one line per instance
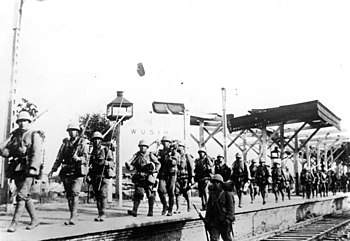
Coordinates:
202 218
104 166
82 134
4 143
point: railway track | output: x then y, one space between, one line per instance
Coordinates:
326 228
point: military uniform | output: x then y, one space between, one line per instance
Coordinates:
204 168
72 158
185 168
222 168
253 187
306 180
278 180
262 178
146 165
240 176
101 170
167 176
25 152
220 212
289 182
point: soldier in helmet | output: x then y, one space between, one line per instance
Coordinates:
240 176
222 168
146 166
168 158
253 187
204 168
185 168
278 179
72 157
101 170
24 150
262 178
220 212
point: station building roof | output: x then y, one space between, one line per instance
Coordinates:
313 112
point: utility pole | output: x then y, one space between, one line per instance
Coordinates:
11 106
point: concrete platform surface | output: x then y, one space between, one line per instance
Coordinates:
53 215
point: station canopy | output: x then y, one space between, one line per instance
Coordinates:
313 112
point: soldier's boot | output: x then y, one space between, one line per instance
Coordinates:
171 205
240 201
16 216
33 218
103 206
98 204
74 210
150 206
163 201
133 212
187 198
204 204
69 200
177 203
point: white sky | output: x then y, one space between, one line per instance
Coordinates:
75 55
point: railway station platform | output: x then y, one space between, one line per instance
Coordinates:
252 220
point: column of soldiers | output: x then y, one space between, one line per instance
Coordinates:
169 171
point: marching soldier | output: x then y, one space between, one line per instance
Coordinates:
146 165
169 158
25 150
240 176
72 157
253 187
220 212
262 178
162 175
185 168
101 170
289 181
222 168
278 179
204 168
306 180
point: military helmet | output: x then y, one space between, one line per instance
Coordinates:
277 161
239 155
143 143
202 150
73 126
262 160
217 178
254 161
97 135
220 155
166 138
24 115
181 143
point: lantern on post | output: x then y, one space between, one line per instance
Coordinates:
119 110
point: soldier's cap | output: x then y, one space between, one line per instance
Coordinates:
97 135
202 150
143 143
73 126
217 178
262 160
254 161
24 115
239 155
166 138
